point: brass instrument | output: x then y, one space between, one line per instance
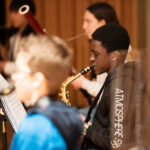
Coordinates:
25 10
64 93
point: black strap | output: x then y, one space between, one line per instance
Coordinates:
88 117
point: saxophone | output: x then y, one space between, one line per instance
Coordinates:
64 94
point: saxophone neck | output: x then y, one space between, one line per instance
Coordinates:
72 78
84 71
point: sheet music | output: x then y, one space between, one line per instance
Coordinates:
13 108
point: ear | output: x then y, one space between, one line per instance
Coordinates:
102 22
115 55
38 79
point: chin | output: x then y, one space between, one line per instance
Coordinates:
97 73
20 96
27 103
89 37
16 25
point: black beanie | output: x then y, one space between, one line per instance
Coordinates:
113 37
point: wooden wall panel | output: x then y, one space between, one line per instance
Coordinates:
64 18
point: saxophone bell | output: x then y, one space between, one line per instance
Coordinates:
64 94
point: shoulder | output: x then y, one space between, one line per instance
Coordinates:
35 122
38 131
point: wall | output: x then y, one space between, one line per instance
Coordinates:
64 18
148 23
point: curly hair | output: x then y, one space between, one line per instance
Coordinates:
113 37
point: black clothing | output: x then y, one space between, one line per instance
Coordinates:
118 91
6 33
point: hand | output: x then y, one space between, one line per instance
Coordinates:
77 84
83 119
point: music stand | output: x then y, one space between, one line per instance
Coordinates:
3 129
11 109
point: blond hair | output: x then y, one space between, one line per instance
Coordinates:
49 55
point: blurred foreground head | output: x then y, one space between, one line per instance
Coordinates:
43 62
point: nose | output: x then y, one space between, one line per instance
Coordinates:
92 59
84 25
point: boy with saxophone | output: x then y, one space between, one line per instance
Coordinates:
43 62
113 124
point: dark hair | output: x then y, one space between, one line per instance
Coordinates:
113 37
104 11
16 4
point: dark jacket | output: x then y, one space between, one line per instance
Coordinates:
7 33
111 117
66 120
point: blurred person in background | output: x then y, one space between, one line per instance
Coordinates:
12 35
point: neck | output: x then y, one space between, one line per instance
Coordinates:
38 93
21 29
116 64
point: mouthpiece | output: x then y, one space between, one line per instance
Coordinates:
24 9
87 69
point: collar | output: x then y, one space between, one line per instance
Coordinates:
44 102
